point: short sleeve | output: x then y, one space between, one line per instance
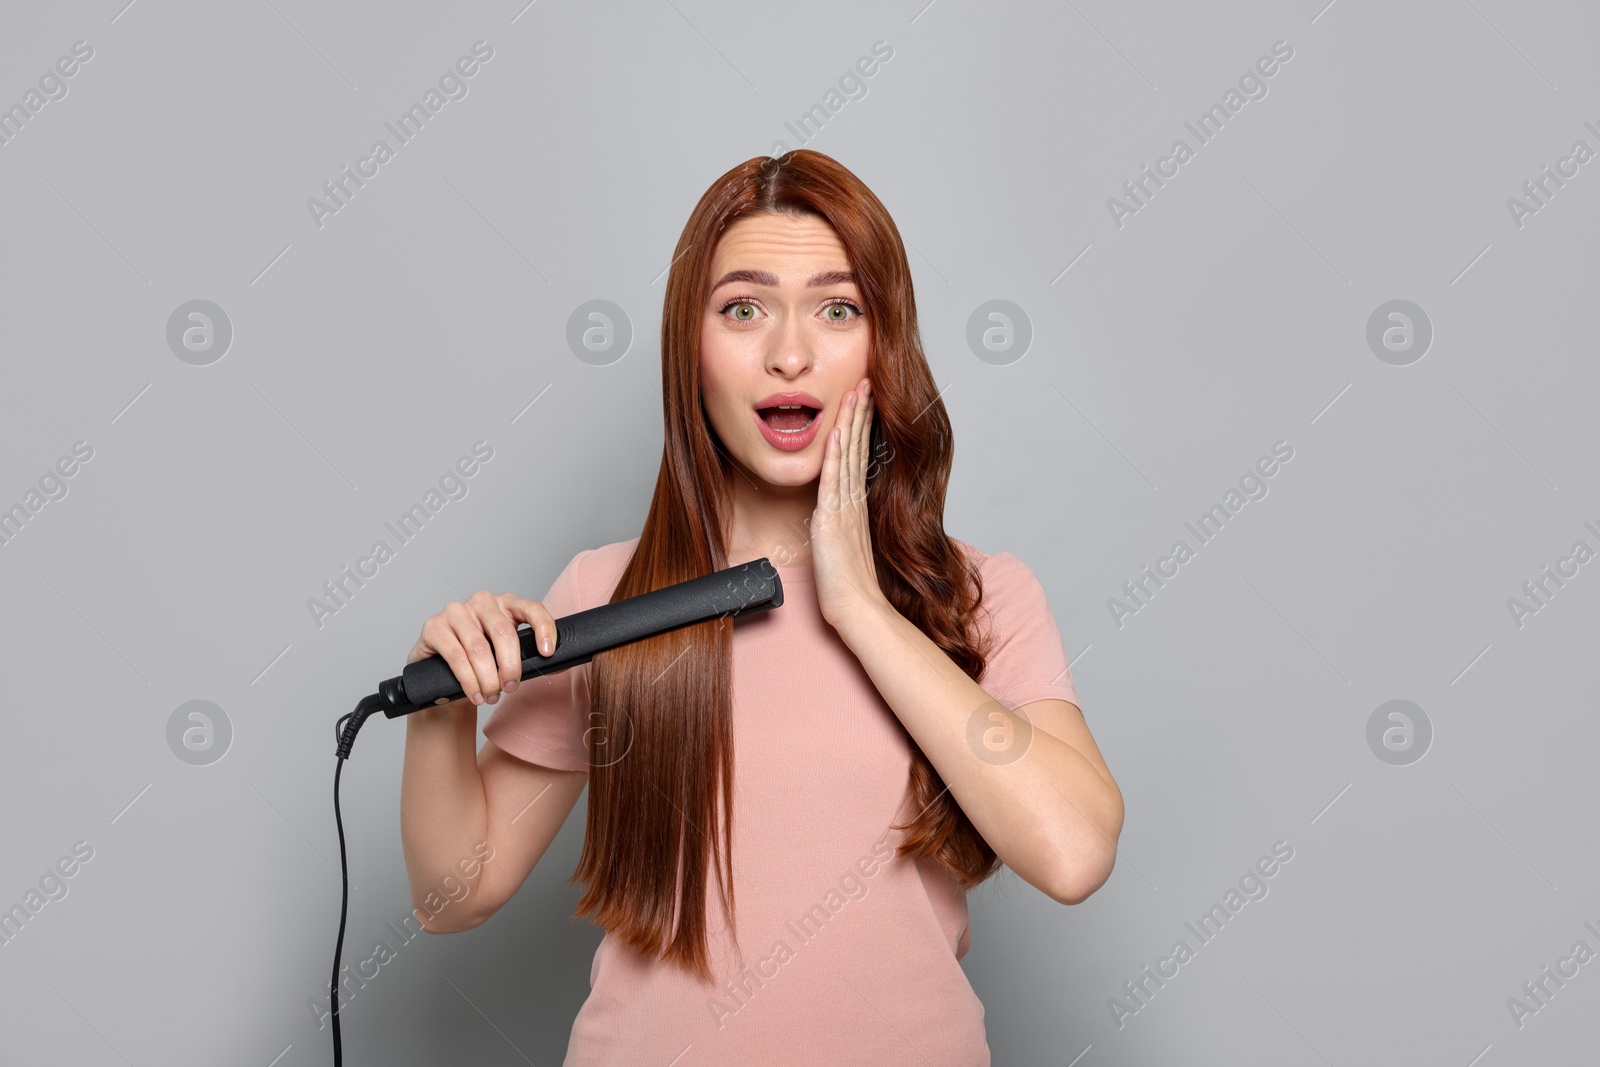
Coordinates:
1027 660
545 720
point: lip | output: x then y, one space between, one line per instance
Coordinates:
789 442
789 398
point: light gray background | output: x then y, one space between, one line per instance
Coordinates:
1229 313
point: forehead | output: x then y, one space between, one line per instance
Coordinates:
782 243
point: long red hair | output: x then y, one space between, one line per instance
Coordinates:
655 816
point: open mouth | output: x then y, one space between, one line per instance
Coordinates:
789 418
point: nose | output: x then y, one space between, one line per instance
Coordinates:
789 352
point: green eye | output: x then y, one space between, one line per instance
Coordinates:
744 310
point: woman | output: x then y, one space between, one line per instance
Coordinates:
831 766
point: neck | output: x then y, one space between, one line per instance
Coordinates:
771 521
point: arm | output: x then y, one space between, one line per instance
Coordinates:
472 824
1054 814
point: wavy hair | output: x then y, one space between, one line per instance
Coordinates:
657 814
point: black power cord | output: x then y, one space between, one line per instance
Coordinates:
346 735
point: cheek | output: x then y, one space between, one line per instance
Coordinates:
718 384
717 357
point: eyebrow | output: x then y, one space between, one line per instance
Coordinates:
766 277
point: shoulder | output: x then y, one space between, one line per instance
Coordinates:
597 571
1024 657
1002 567
1013 596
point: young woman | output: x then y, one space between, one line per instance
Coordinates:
841 769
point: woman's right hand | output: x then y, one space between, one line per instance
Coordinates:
478 639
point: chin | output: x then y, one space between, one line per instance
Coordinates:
790 471
791 477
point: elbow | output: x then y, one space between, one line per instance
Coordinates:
458 912
1087 865
1083 876
446 923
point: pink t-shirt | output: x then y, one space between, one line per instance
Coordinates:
849 956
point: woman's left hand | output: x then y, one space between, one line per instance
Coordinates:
841 536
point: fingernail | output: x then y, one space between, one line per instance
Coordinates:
477 698
511 686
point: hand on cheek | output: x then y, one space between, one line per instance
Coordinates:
841 534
